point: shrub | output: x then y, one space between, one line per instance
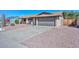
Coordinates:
16 21
12 24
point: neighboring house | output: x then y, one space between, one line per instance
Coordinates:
44 19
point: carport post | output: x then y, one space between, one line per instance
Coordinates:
37 21
34 22
27 21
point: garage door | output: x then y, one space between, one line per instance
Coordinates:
46 21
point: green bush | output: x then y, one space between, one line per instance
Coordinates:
12 24
16 21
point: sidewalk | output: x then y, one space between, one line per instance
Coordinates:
15 27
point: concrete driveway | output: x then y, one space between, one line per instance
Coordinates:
14 38
40 37
63 37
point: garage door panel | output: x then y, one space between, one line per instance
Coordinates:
46 21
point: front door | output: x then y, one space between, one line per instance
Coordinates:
30 21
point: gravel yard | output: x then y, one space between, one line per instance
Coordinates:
65 37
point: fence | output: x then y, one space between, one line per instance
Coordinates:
69 22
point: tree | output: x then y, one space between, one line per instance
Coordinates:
71 15
17 21
76 15
12 24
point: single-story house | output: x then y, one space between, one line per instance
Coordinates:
44 19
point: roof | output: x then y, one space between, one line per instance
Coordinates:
44 14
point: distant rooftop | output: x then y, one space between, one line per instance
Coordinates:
44 13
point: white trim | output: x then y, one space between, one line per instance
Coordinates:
36 21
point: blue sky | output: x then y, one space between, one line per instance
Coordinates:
27 12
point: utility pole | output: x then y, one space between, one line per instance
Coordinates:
3 18
2 21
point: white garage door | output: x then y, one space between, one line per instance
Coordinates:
46 21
